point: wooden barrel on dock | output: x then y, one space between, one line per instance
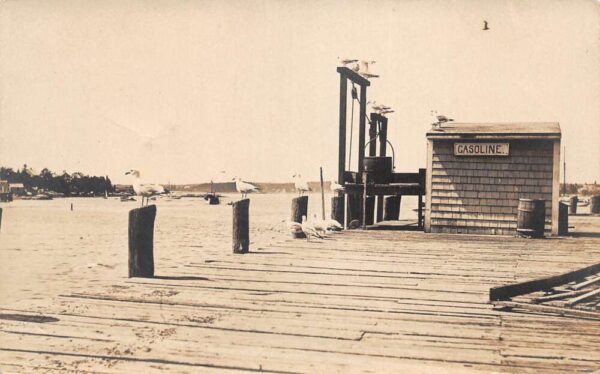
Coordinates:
573 204
531 217
595 204
563 219
299 209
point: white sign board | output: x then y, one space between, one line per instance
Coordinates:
481 149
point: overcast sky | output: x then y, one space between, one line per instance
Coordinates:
183 90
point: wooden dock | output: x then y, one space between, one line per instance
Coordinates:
359 301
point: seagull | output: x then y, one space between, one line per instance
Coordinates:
146 190
347 61
323 225
243 187
380 108
294 227
301 185
485 25
443 119
319 225
335 186
309 230
363 69
333 225
384 112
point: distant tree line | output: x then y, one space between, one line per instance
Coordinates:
76 184
579 188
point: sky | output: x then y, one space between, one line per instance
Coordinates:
188 91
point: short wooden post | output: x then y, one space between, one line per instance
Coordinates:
299 209
241 226
0 218
595 204
573 204
563 219
71 207
392 208
369 210
141 241
337 209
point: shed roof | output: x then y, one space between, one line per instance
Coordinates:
521 130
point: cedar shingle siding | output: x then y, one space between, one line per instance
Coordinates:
480 195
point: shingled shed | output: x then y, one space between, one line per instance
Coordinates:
476 174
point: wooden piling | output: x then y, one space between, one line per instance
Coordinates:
573 204
563 219
71 207
299 209
392 208
141 242
0 218
241 226
595 204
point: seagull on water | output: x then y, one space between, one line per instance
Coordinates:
244 187
300 184
146 190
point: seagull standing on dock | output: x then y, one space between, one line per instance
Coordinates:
146 190
243 187
309 229
300 185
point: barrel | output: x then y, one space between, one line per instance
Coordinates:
595 204
563 219
573 204
379 169
531 218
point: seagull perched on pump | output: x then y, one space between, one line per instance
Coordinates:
347 61
244 187
380 108
363 69
300 184
335 187
146 190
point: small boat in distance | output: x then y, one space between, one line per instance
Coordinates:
212 198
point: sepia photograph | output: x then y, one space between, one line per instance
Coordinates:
287 186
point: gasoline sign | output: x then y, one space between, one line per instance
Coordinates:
481 149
